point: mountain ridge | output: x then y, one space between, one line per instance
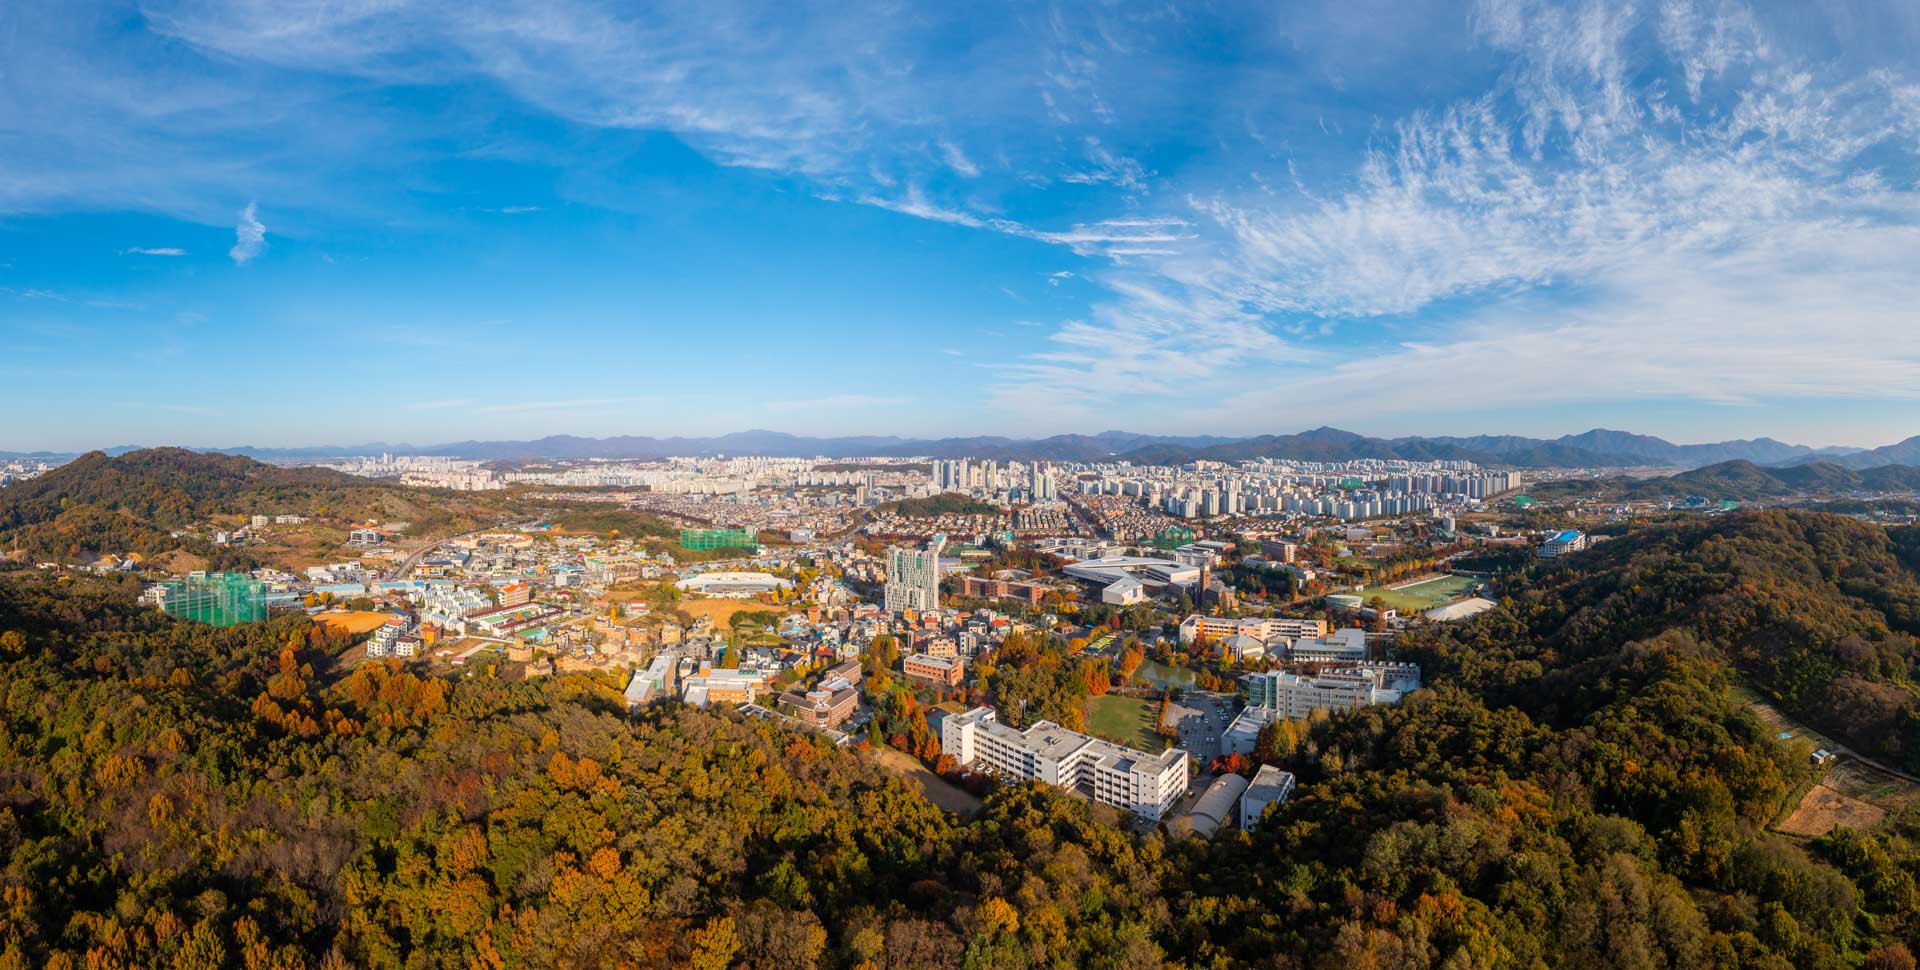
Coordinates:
1595 448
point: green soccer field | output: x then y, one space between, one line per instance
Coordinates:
1127 718
1422 596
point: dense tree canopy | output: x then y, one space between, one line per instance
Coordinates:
1581 785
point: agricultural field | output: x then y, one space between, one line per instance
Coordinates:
1128 718
1421 595
1823 808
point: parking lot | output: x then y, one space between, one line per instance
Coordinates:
1205 719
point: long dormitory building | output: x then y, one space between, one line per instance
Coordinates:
1135 781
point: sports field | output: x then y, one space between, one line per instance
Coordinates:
1128 718
1422 595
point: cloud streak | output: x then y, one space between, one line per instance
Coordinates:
250 237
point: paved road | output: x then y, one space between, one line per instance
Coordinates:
1767 710
400 571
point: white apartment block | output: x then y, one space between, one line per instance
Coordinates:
1144 784
913 577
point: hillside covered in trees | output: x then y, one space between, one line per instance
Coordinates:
1581 786
132 502
1740 480
1816 612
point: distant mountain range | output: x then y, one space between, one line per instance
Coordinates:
1598 448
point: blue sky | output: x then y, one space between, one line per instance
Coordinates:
243 222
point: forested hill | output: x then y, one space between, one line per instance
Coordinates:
180 796
174 487
1817 612
131 502
1740 481
1580 787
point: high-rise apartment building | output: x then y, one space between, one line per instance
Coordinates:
913 577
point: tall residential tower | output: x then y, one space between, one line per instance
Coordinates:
913 577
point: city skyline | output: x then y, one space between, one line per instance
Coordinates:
233 223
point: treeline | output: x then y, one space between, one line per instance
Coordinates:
945 504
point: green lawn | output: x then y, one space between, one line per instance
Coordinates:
1128 718
1423 596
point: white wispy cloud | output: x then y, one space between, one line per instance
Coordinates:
250 236
1596 237
1674 178
957 160
152 251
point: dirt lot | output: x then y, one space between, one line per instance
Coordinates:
937 789
352 622
721 609
1823 808
178 562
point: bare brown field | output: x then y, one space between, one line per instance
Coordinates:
1823 808
722 610
355 622
938 790
297 547
177 561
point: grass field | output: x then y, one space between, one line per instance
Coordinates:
1422 595
1128 718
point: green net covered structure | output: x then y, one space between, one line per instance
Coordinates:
719 538
217 599
1172 537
